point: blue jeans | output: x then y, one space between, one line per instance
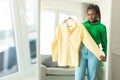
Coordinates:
89 62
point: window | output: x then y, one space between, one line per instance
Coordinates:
47 31
31 28
15 31
8 57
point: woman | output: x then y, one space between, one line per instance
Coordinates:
97 30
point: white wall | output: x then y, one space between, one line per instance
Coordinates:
115 65
111 17
62 5
115 28
105 8
65 5
115 39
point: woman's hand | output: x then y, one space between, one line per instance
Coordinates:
103 58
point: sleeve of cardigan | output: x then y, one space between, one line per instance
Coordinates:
103 37
90 43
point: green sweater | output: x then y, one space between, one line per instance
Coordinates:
98 33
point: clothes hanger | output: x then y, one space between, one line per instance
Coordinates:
69 18
70 21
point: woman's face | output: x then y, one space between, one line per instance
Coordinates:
92 16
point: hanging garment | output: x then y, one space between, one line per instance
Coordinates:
66 44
